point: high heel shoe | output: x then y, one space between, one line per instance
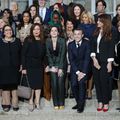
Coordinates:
105 108
61 107
6 108
31 107
16 108
56 107
37 106
89 95
100 107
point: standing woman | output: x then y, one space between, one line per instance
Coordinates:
55 50
10 51
103 56
32 62
24 27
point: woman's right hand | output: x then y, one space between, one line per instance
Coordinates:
54 69
24 71
96 64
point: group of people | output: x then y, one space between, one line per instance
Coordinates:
75 48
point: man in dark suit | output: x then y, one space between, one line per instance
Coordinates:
44 12
101 6
79 56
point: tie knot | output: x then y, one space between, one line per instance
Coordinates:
78 44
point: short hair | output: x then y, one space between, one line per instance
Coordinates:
79 29
102 1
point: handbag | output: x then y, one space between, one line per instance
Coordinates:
24 91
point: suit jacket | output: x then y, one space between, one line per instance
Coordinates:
47 16
106 48
57 57
79 57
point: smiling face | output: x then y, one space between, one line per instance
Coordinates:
100 7
37 20
14 6
2 23
77 11
85 19
78 34
54 32
33 11
69 26
36 31
26 18
99 23
42 3
8 32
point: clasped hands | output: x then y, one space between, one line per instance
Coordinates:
56 70
80 75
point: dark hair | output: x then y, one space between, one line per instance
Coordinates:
117 7
102 1
22 22
31 32
31 7
39 18
107 27
10 15
70 20
79 29
81 8
60 31
4 31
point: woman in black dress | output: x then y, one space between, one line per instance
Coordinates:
10 48
32 62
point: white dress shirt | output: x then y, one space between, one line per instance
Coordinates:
42 12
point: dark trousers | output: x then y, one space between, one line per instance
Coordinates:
102 80
57 84
78 88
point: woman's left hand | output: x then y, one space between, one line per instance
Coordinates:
60 72
109 67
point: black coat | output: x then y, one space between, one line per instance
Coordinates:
33 54
10 53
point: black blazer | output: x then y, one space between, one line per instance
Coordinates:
79 57
106 48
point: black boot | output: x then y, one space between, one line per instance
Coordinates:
75 107
81 107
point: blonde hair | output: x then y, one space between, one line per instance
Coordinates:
89 15
13 3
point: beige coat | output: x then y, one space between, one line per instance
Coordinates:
24 32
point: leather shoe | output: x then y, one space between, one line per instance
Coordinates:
15 108
117 108
75 107
80 109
